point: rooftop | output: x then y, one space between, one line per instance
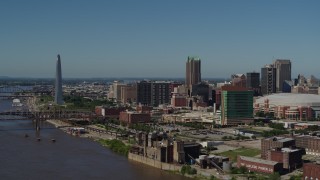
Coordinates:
289 150
261 161
280 139
290 99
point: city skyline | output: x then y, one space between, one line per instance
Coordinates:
144 39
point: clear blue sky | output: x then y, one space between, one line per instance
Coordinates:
152 38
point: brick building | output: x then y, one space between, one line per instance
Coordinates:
109 112
311 144
259 165
129 93
311 171
179 100
291 158
172 86
274 142
129 117
144 109
218 98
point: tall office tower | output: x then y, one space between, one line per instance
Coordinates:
253 82
236 105
283 72
58 84
193 71
268 79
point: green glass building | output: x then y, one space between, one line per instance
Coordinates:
236 107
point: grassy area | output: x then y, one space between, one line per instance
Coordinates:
77 102
232 154
116 146
45 99
254 129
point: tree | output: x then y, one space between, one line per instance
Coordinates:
183 170
296 177
279 126
260 114
274 176
224 137
192 171
187 169
213 178
243 170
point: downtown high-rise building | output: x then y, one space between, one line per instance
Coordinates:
129 93
193 71
268 79
253 83
58 99
283 68
236 105
116 89
253 80
153 93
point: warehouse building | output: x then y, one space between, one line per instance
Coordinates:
259 165
274 142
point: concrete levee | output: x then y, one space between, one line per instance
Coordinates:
153 162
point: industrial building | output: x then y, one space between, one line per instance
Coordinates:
291 158
157 146
259 165
274 142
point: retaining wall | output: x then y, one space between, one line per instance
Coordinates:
154 163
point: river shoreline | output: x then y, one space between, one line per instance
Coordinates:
95 136
89 134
